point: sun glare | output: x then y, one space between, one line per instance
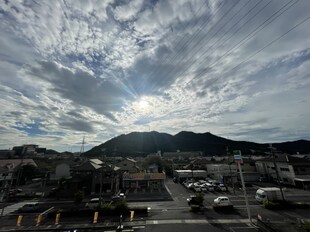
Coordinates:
143 104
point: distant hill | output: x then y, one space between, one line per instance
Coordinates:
142 143
51 151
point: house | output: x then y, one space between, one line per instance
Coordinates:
181 155
182 175
14 163
153 168
143 181
95 176
292 170
128 165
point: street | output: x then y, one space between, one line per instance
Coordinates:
172 215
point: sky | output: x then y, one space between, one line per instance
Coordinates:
98 69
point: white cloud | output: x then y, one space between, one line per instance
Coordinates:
128 11
75 68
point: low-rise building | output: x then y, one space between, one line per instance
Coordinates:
182 175
128 165
292 170
143 181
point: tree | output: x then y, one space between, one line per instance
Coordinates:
78 197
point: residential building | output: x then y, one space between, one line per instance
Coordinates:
128 165
182 175
292 170
143 181
94 175
181 155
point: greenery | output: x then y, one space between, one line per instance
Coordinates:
78 197
121 207
199 198
307 225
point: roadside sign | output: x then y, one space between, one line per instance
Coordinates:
19 220
132 213
57 219
39 219
95 217
237 156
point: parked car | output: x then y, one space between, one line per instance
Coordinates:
220 188
222 201
210 187
93 203
119 197
197 189
204 189
29 207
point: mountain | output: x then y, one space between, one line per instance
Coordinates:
143 143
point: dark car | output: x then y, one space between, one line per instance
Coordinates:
193 200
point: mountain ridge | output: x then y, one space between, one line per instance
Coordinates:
143 143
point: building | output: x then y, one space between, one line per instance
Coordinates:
292 170
143 181
27 149
94 176
181 155
128 165
182 175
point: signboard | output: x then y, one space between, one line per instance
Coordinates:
57 218
39 219
95 217
132 213
237 156
19 220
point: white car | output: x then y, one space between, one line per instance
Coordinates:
222 201
93 203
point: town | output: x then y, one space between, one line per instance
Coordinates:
67 191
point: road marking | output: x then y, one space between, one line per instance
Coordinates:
198 221
138 227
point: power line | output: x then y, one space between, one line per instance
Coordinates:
272 42
248 21
154 70
214 26
193 37
248 36
218 40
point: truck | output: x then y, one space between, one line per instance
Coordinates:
268 194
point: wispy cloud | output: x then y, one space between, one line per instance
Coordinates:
86 68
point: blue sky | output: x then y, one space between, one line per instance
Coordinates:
237 69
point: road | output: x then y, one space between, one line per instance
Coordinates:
175 215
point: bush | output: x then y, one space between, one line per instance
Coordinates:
199 198
121 207
307 225
78 197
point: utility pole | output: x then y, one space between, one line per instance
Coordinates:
276 169
229 165
238 160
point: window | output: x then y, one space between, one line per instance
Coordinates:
285 169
